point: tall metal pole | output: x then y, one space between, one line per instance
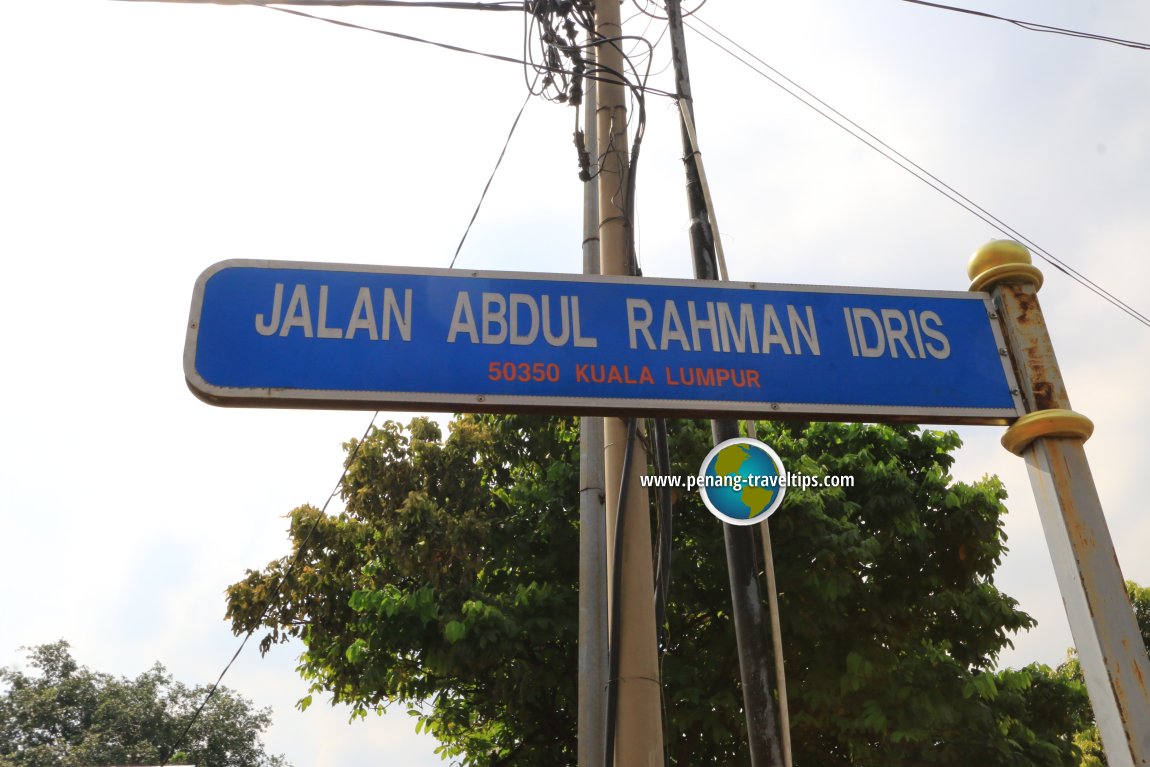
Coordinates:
592 522
751 626
638 727
1050 437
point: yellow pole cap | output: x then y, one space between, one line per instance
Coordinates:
1046 423
1002 261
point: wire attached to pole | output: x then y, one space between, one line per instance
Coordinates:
616 600
271 598
483 194
664 508
776 625
837 118
689 125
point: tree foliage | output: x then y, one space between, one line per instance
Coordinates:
1088 738
450 580
67 715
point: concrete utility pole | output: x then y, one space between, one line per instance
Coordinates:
751 627
593 646
638 740
1050 437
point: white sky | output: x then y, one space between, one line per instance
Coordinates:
140 143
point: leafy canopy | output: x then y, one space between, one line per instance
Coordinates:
67 715
1088 738
449 586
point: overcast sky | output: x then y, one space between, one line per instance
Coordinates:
140 143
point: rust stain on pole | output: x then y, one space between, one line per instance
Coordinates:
1037 367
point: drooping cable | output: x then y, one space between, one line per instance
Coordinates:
843 122
179 742
445 46
664 514
776 625
509 5
638 88
664 517
483 195
387 33
1036 27
684 14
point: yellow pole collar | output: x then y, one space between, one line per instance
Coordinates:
1002 261
1046 423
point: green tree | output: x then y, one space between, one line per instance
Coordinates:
450 580
1088 738
67 715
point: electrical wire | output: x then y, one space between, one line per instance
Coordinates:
567 85
637 91
670 59
386 32
570 80
1035 27
893 155
776 625
664 506
551 33
274 595
490 178
641 88
616 600
712 220
643 10
559 24
557 38
509 5
339 483
307 538
446 46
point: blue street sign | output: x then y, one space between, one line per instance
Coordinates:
291 334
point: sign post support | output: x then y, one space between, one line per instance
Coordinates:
1050 437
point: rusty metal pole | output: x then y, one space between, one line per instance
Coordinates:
1050 437
638 727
